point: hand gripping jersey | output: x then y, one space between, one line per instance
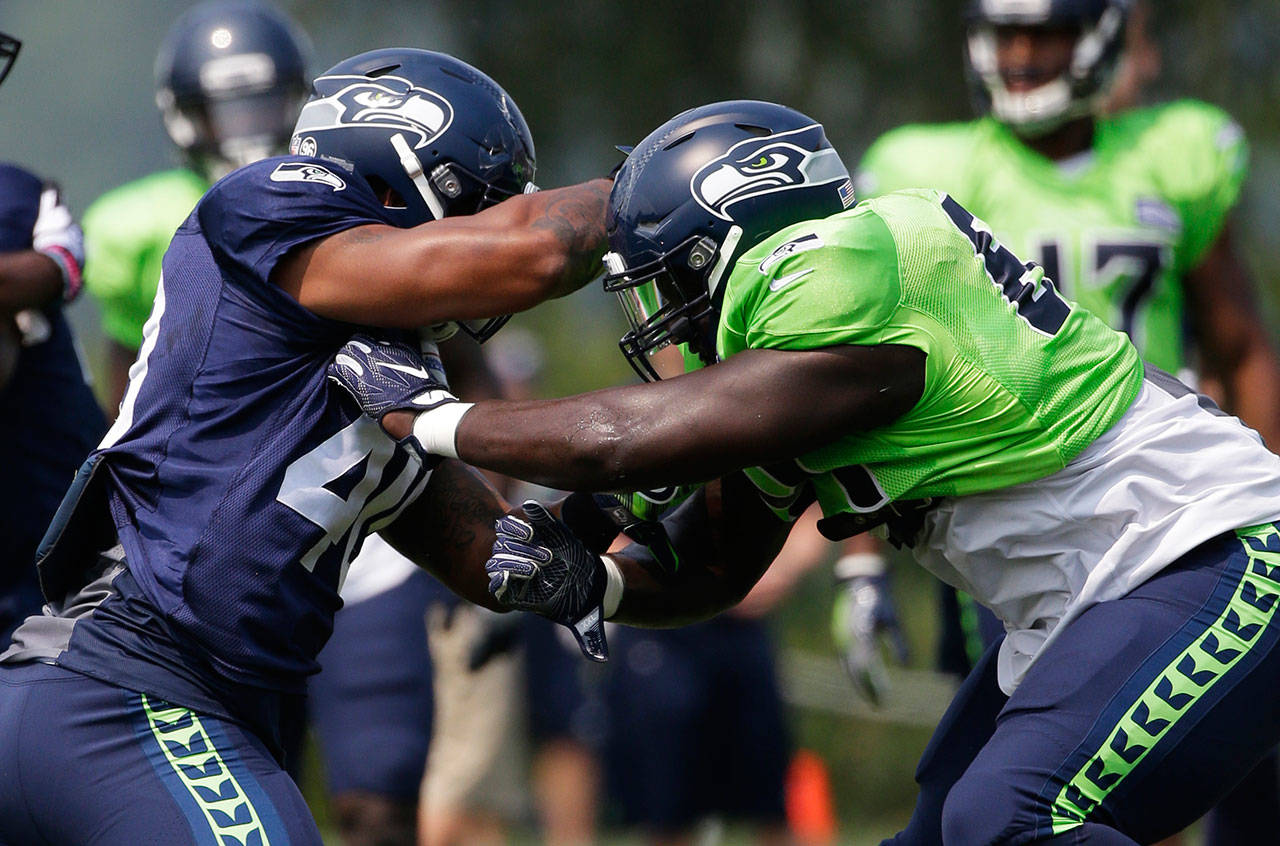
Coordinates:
127 231
49 419
1116 228
239 483
1064 477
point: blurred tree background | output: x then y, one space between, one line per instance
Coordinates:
79 107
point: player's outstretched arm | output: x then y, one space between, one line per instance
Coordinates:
448 531
505 259
1236 344
757 407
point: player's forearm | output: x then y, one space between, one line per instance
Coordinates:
1254 391
448 531
28 279
724 540
505 259
574 218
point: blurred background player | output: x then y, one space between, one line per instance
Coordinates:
49 419
1126 208
231 76
520 717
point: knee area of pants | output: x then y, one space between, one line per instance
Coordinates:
979 811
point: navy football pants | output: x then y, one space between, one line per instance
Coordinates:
87 763
1134 722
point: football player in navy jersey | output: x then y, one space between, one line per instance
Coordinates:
48 416
194 567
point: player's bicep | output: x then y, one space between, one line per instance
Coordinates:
449 530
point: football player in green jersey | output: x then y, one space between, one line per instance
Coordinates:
897 363
1128 212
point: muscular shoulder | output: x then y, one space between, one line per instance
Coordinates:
813 284
1195 149
919 155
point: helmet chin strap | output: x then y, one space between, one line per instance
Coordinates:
730 243
413 168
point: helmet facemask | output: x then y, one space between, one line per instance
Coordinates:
673 299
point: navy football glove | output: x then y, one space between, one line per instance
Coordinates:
864 614
385 376
390 375
539 565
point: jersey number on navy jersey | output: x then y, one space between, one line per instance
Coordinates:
353 460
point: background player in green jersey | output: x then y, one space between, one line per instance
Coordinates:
1127 212
899 364
242 109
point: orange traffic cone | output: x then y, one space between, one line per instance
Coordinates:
810 809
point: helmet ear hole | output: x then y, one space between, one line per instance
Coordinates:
388 196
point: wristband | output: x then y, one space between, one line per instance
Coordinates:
436 429
857 564
612 586
72 280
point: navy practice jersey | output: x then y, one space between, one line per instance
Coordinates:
240 482
49 419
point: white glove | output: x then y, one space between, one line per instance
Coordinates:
58 236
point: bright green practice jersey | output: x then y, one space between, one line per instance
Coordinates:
1116 228
127 231
1017 380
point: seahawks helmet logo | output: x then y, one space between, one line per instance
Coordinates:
764 165
389 102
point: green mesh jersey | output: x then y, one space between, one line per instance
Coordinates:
1115 228
127 231
1017 380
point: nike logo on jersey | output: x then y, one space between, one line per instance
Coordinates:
783 281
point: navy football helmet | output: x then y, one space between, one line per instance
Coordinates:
698 192
433 136
1100 25
230 78
9 47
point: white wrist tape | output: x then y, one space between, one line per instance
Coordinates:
612 586
437 429
857 564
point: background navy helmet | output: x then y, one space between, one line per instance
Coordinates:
433 136
699 191
1100 25
9 47
230 78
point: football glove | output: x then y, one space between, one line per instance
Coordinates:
863 615
384 376
58 236
538 565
